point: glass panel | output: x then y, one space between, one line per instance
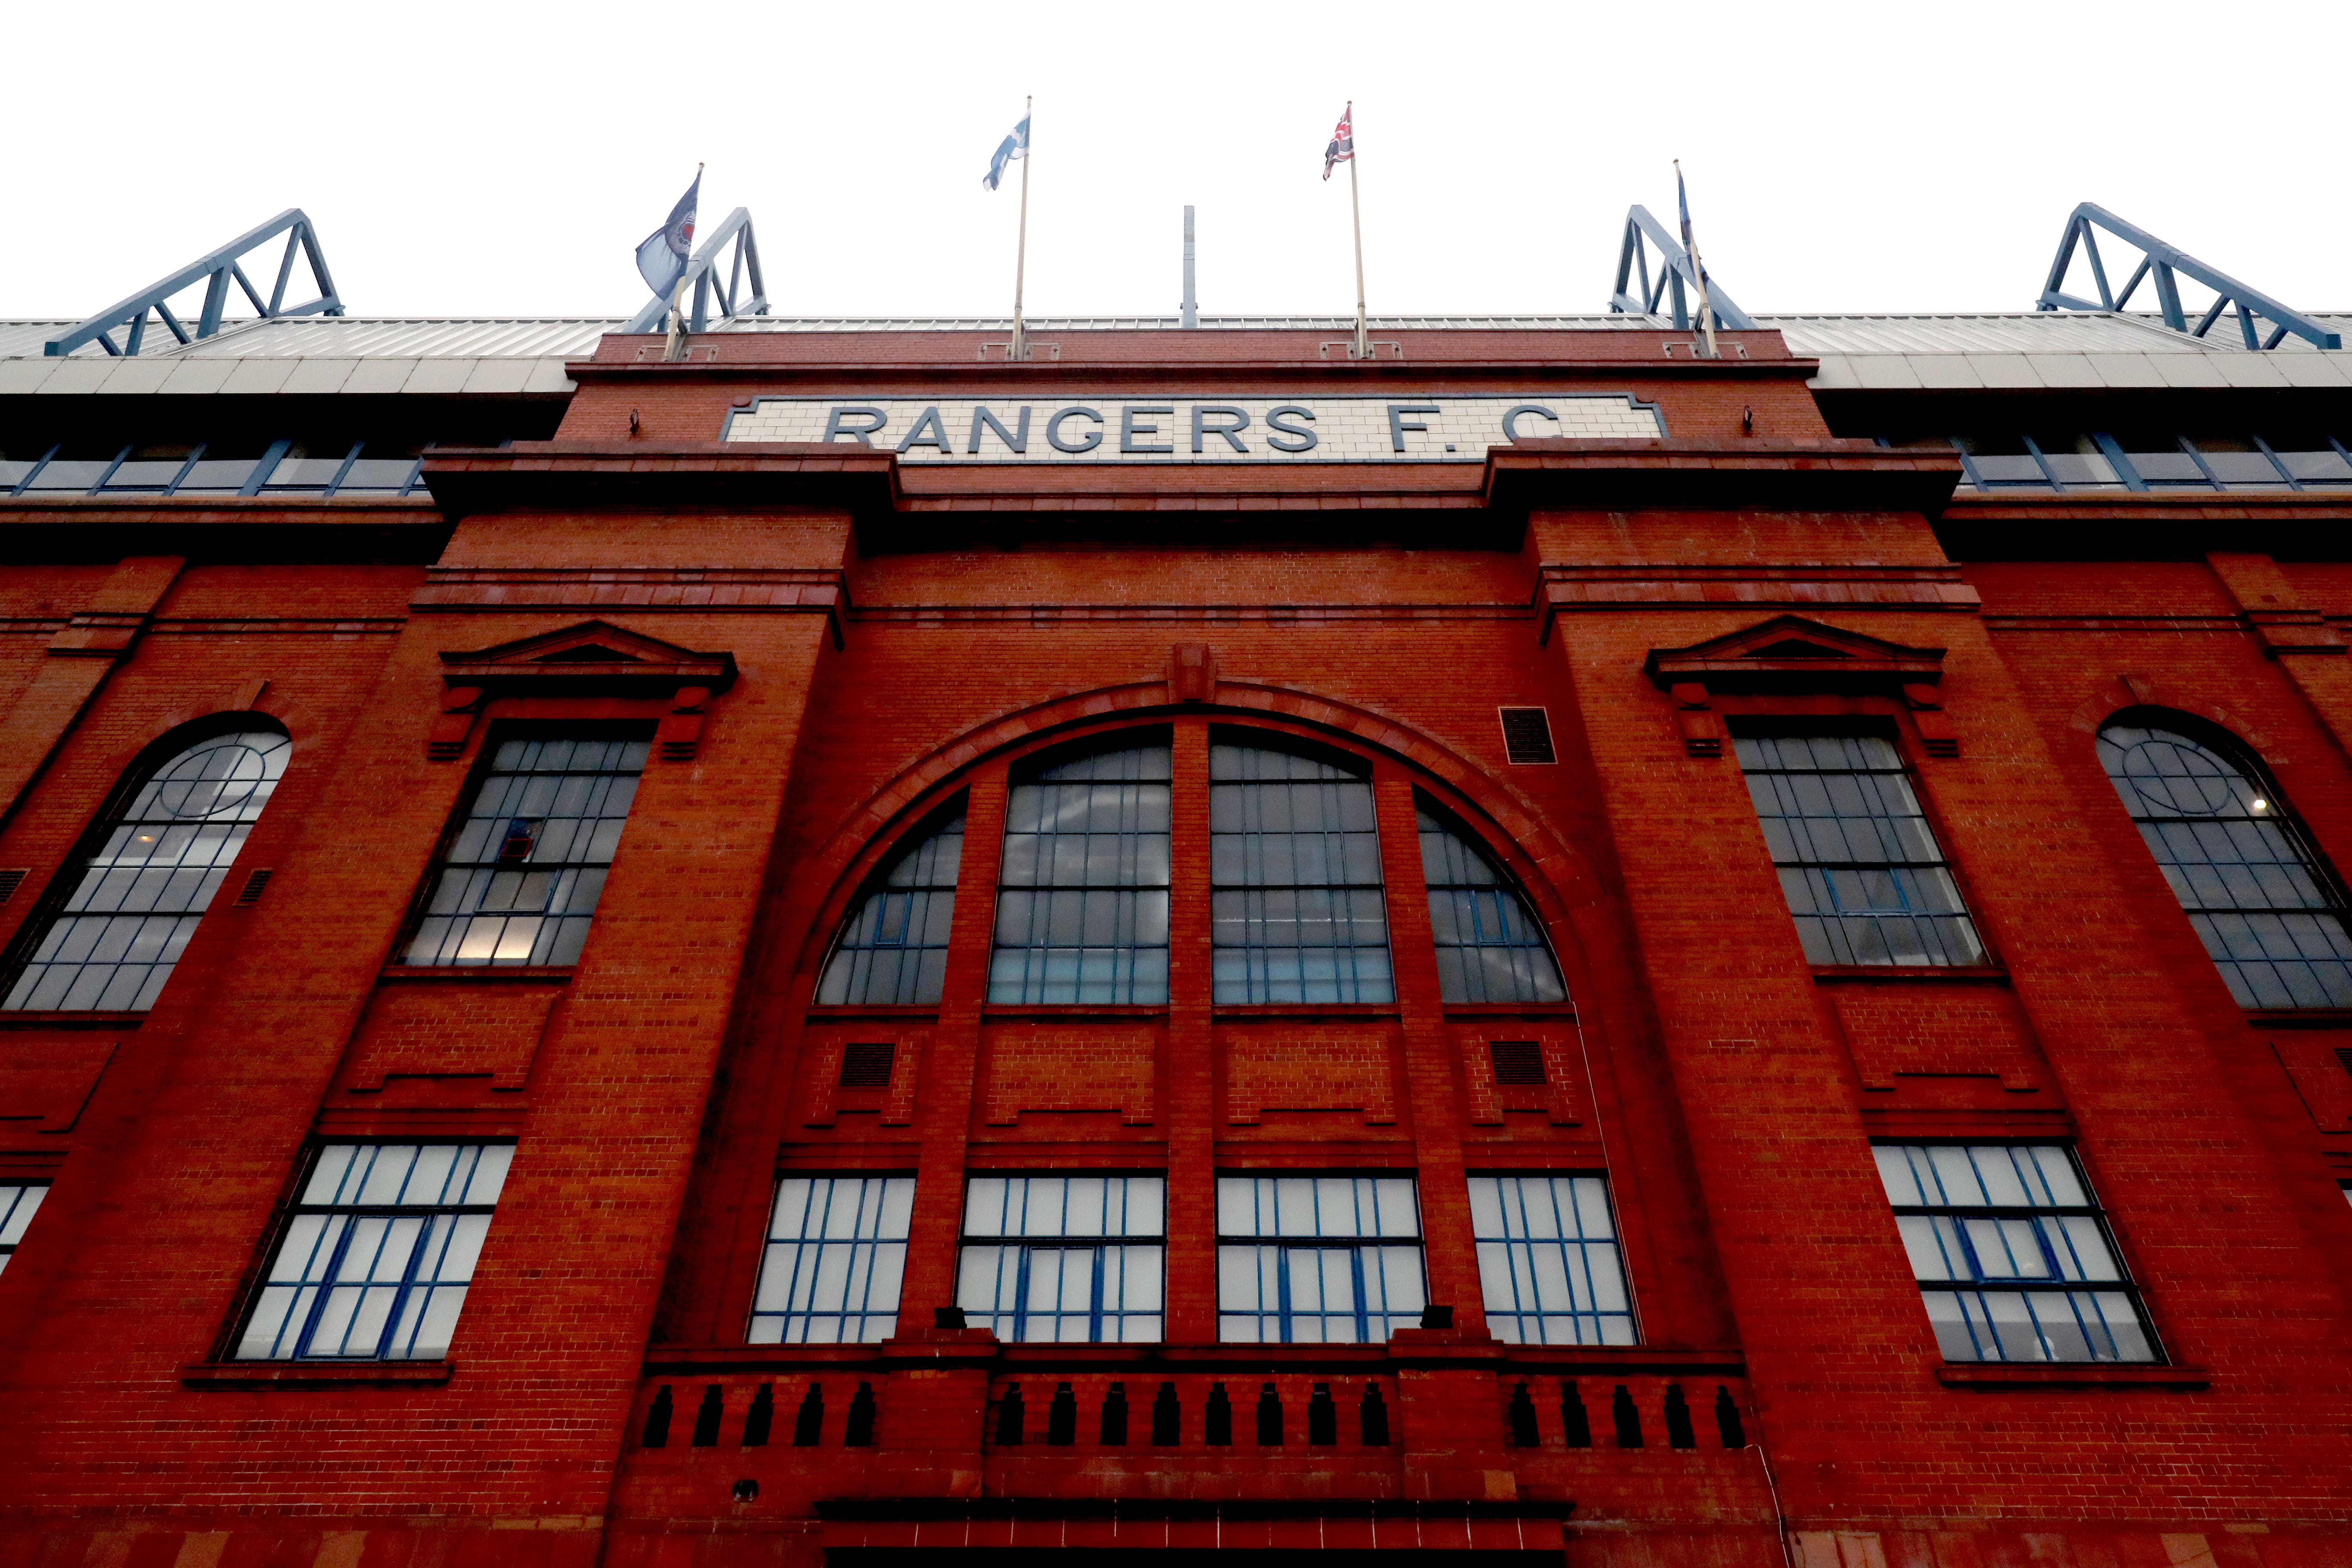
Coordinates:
2326 467
17 1201
222 476
298 472
1489 947
2232 853
1548 1260
145 473
2010 471
70 475
2015 1226
1056 1282
1295 910
386 475
1082 915
2242 469
2169 468
113 945
836 1249
519 879
1343 1287
893 948
1863 877
377 1257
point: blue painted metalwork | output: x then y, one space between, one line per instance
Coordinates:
1675 274
702 274
2161 262
217 269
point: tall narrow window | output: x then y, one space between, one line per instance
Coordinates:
2272 922
1858 863
2012 1257
1317 1259
1063 1258
17 1201
376 1261
1294 876
525 867
893 949
837 1250
1082 913
1489 947
1548 1260
162 858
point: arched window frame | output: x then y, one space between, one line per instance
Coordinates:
2235 751
142 768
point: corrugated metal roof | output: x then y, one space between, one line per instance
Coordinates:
2024 331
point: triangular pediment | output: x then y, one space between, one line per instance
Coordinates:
593 652
1791 653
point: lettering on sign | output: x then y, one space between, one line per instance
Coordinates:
1163 428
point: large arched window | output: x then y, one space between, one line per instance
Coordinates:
1295 878
1489 947
159 858
2270 919
893 950
1082 906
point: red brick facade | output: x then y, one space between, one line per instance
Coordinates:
900 638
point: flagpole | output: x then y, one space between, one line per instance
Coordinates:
1699 272
1356 208
1019 348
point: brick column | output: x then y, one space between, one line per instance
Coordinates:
1190 1110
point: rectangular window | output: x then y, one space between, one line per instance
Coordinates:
1082 915
1295 875
1858 863
837 1250
1317 1259
377 1256
1064 1258
523 873
17 1201
1548 1260
2012 1257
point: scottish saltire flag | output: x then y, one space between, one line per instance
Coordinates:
662 257
1343 141
1012 147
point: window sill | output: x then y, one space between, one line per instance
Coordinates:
2299 1017
246 1376
71 1020
1559 1010
472 974
993 1010
2073 1375
1909 975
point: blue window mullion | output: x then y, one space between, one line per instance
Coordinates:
1095 1314
1282 1288
407 1278
1021 1293
326 1283
1363 1299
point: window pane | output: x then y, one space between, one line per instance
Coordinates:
836 1249
1035 1265
1548 1260
1859 866
1083 911
525 865
376 1259
1326 1280
1489 947
161 860
17 1201
1295 908
892 949
2272 921
2014 1226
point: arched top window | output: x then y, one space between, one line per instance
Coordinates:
1489 945
1194 862
2269 917
893 948
149 872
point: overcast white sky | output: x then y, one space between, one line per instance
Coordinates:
495 157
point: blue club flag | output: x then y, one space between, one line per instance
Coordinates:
1012 147
1682 199
662 257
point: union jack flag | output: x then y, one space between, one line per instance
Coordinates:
1343 141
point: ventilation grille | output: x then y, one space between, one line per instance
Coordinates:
1526 735
2343 1056
11 880
1517 1062
251 892
867 1066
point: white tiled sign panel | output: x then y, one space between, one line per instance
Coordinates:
1164 428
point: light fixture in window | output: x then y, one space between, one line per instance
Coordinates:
2258 803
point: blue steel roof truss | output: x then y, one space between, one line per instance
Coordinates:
217 270
1675 278
2165 265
